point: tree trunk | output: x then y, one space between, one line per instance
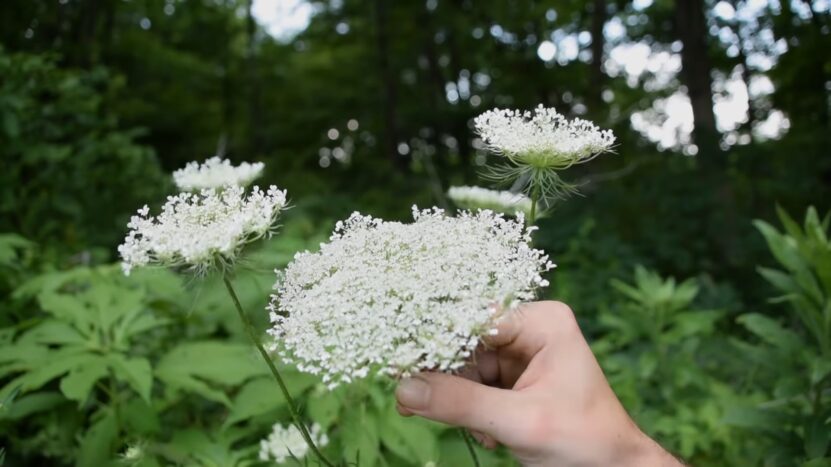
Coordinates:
255 135
596 80
390 90
696 74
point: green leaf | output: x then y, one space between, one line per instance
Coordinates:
97 443
111 303
783 247
69 309
31 404
324 408
53 332
263 394
136 372
215 361
753 418
454 452
258 396
23 352
692 323
771 332
782 281
817 437
790 225
820 368
821 462
55 364
409 438
194 366
359 434
140 417
78 384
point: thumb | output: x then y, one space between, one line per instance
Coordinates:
458 401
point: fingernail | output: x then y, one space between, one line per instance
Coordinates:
413 393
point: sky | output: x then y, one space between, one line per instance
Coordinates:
669 121
283 19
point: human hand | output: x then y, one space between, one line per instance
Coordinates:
537 389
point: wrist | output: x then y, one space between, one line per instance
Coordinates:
643 451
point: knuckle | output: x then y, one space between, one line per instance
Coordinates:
561 316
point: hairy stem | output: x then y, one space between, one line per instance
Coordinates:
249 329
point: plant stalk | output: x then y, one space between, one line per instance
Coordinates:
470 448
535 196
249 329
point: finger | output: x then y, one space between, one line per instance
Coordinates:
403 410
524 331
457 401
483 368
485 440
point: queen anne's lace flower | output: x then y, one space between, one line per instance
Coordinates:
216 173
474 197
287 442
543 138
397 298
200 231
539 143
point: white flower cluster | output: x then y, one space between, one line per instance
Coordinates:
200 231
216 173
284 443
542 138
393 298
474 197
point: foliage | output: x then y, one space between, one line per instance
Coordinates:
791 357
63 153
653 353
101 371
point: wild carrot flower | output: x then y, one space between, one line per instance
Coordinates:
538 144
474 197
393 298
201 231
284 443
216 173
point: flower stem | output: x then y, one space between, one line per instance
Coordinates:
249 329
535 196
470 448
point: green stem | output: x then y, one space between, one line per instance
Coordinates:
535 196
112 392
470 448
249 329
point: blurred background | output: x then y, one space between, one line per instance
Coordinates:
721 108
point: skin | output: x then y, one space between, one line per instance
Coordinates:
536 388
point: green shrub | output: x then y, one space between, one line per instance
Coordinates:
653 352
63 154
789 355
